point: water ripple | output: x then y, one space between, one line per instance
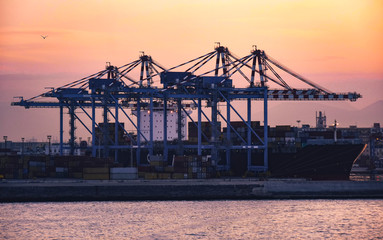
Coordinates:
275 219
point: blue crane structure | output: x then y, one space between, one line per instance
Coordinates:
191 84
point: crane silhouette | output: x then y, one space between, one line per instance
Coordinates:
44 37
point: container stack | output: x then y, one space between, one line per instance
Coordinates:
41 166
59 167
96 173
37 168
192 167
158 169
73 166
183 167
127 173
158 163
12 167
88 168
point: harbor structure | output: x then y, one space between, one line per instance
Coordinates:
194 82
314 148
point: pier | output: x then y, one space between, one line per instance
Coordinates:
190 189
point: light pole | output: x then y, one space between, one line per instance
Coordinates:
49 142
22 146
335 124
5 141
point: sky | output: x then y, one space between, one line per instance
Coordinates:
337 44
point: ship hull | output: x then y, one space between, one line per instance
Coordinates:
322 162
316 162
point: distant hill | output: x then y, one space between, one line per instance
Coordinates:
373 113
287 113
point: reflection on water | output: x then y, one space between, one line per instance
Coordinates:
284 219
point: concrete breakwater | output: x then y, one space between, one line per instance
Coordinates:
212 189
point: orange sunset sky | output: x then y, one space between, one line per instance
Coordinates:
337 44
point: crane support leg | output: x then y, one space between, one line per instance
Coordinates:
228 136
199 127
138 152
116 126
61 130
105 129
166 150
94 149
179 128
265 129
72 129
249 133
214 124
151 127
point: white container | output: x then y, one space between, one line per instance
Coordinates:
123 176
61 170
128 170
36 164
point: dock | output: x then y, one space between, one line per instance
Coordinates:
188 189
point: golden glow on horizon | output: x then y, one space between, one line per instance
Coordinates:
309 36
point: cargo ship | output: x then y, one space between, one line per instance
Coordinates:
319 161
319 153
316 162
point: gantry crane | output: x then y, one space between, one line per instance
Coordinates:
193 83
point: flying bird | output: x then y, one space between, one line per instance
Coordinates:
44 37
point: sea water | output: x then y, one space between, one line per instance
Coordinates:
258 219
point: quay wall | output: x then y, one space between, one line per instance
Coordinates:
132 190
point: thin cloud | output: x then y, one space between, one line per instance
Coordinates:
36 32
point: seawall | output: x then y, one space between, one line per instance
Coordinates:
212 189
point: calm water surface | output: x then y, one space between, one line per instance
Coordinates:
275 219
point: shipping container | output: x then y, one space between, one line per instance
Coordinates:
179 175
124 170
96 176
151 175
164 175
123 176
77 175
96 170
169 169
